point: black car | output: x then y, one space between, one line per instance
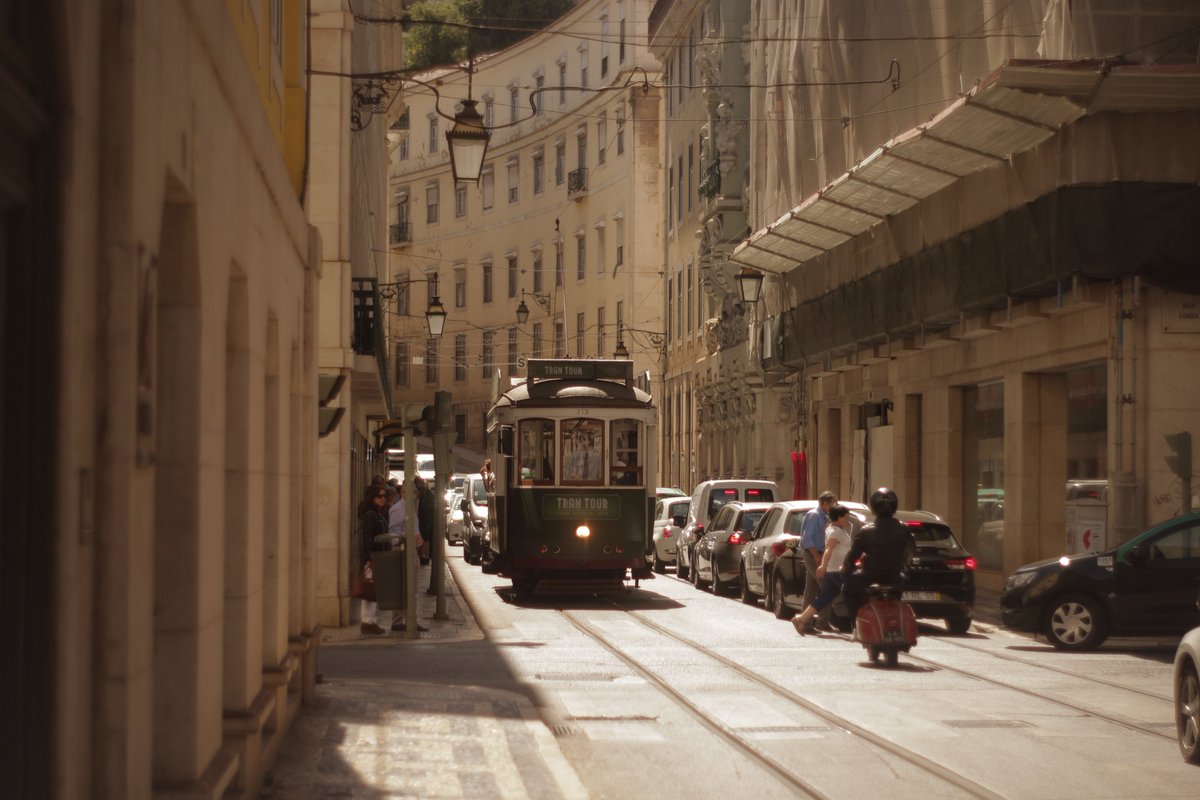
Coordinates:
939 582
1145 587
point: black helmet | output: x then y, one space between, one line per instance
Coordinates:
884 501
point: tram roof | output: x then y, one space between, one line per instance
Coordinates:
552 392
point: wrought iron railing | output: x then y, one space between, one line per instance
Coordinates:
577 182
400 233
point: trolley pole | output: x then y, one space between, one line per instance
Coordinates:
443 460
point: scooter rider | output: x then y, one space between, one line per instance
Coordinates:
884 546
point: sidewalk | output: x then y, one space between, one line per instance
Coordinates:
435 716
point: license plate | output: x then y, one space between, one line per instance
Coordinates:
921 597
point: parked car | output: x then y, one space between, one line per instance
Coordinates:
475 518
772 567
454 519
1146 586
670 515
1187 695
454 485
706 501
717 557
669 491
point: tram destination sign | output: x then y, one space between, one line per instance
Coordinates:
580 369
581 506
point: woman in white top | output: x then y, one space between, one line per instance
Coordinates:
837 544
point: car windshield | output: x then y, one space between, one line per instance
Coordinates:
930 535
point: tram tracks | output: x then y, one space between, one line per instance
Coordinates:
964 785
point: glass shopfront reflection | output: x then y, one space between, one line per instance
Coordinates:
983 473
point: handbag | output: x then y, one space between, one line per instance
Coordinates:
364 584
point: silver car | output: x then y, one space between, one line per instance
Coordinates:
717 557
454 518
670 514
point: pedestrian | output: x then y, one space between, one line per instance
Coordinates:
812 544
373 522
829 571
426 510
489 477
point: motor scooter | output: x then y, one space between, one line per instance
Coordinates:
885 624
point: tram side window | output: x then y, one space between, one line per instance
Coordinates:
583 451
536 455
626 466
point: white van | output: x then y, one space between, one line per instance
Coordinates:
707 499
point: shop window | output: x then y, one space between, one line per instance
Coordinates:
983 473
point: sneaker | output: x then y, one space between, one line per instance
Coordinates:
370 629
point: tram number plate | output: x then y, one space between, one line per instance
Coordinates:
918 597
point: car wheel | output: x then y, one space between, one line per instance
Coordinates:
681 569
746 595
659 566
1187 714
958 625
1076 622
695 574
779 604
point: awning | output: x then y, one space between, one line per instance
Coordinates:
1014 109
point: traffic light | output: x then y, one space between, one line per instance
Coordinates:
1180 459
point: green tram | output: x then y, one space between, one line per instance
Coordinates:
574 462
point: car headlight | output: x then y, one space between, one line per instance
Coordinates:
1017 580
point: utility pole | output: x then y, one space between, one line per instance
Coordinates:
444 464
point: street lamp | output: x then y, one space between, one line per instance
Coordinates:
749 283
435 316
543 300
468 140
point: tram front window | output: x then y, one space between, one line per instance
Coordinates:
536 453
582 451
626 469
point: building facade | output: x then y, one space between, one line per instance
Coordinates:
721 412
990 309
159 423
563 222
347 203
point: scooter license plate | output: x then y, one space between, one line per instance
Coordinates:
922 597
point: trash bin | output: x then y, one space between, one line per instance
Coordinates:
389 578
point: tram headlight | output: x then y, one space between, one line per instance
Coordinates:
583 532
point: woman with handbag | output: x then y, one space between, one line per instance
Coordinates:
373 523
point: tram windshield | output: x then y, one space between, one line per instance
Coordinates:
582 451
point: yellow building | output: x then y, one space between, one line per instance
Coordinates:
159 369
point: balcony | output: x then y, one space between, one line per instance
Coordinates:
577 183
400 233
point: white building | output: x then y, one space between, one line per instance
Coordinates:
565 218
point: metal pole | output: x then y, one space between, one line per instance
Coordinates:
410 550
443 459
